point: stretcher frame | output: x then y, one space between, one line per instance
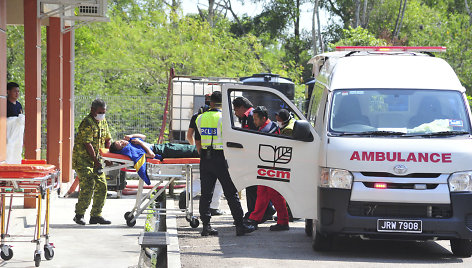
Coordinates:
40 188
164 174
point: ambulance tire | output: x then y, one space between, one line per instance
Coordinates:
308 227
321 242
461 247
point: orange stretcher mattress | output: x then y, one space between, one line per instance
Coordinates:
105 153
26 170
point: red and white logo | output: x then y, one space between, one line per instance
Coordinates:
274 155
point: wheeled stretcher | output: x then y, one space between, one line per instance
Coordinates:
21 180
165 172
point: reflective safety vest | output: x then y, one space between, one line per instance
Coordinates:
209 126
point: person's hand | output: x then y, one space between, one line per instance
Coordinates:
137 141
97 165
108 163
127 137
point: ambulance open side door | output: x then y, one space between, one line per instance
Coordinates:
287 164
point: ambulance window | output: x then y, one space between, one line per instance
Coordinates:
243 103
315 102
398 110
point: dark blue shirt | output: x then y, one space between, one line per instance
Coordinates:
14 109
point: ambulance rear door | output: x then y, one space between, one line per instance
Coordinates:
285 163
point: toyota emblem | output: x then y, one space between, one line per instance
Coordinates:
400 169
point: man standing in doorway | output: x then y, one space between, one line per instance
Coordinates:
213 167
92 135
14 107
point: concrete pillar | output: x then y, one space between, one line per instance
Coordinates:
54 92
32 106
68 105
3 79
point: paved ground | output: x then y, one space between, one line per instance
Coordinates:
114 245
292 248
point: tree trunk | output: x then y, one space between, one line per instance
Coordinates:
313 28
297 31
394 33
401 19
320 39
358 11
364 15
211 3
468 12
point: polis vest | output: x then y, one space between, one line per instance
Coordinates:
209 126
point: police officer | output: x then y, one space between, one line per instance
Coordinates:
213 166
92 135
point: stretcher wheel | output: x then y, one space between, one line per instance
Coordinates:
194 222
37 259
10 254
131 221
127 215
48 252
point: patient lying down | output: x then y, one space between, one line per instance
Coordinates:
134 144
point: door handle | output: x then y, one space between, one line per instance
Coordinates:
234 145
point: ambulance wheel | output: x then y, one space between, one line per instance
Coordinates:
461 247
48 252
131 221
308 227
127 215
321 242
194 222
37 259
7 257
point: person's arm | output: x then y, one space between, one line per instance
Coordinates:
139 136
198 143
190 139
91 152
149 153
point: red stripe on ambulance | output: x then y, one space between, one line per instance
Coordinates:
402 157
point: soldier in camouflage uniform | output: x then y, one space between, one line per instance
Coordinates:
92 135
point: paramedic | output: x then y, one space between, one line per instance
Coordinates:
196 185
92 135
213 166
243 109
264 193
285 121
14 107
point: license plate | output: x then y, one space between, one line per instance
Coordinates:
399 226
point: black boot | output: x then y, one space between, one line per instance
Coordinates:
279 227
252 223
207 230
98 219
244 229
216 212
79 219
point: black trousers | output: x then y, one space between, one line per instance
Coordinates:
211 170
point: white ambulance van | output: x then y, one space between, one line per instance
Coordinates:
385 151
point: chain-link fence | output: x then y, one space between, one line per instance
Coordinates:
125 115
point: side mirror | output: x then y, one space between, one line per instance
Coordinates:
301 131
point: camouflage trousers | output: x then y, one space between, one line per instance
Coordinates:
92 185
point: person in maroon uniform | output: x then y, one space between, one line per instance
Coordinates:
266 194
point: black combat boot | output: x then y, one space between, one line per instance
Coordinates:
79 219
207 230
98 219
244 229
279 227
